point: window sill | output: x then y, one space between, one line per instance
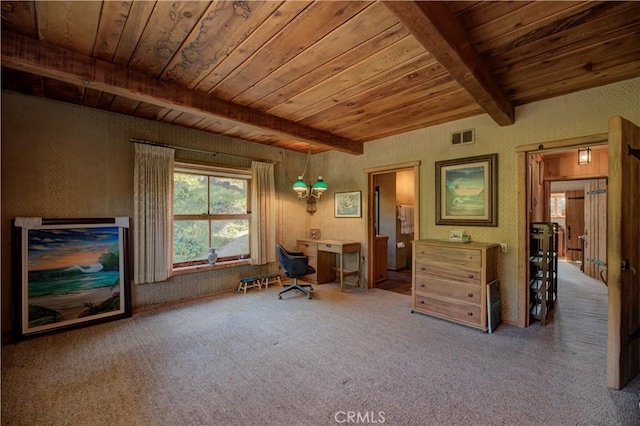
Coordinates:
206 267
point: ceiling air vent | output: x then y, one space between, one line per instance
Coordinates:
463 137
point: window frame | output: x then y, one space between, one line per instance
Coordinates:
219 171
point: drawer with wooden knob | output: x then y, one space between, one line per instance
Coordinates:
444 289
447 272
449 255
470 314
332 248
309 249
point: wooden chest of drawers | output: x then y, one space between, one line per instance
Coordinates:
450 280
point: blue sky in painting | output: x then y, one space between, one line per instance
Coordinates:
63 248
468 176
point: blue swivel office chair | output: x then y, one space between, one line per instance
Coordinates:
294 265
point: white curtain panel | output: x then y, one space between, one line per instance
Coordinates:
153 213
263 222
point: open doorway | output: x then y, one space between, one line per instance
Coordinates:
392 223
393 209
570 196
623 231
580 209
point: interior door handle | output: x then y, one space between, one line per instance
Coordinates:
568 232
625 267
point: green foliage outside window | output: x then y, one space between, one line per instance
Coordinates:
189 194
190 240
227 196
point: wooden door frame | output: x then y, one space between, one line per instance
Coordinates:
523 152
622 348
370 218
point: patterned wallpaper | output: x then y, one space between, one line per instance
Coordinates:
579 114
61 160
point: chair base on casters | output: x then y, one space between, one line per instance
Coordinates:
295 286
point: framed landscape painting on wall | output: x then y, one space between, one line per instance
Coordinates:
71 272
466 191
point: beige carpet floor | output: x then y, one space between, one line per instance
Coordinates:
252 359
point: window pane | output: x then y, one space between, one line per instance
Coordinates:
230 237
228 195
189 194
560 207
553 206
190 240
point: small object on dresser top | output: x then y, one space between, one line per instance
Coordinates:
465 239
458 236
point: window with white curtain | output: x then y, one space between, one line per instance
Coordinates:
211 209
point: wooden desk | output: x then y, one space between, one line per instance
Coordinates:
322 256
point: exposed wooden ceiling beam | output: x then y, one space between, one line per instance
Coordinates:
438 30
25 54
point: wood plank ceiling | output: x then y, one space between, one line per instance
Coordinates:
326 74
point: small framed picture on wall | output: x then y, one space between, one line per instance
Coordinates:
348 204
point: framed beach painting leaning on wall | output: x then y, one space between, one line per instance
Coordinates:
70 273
467 191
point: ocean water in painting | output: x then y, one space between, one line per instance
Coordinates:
465 195
72 272
68 280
